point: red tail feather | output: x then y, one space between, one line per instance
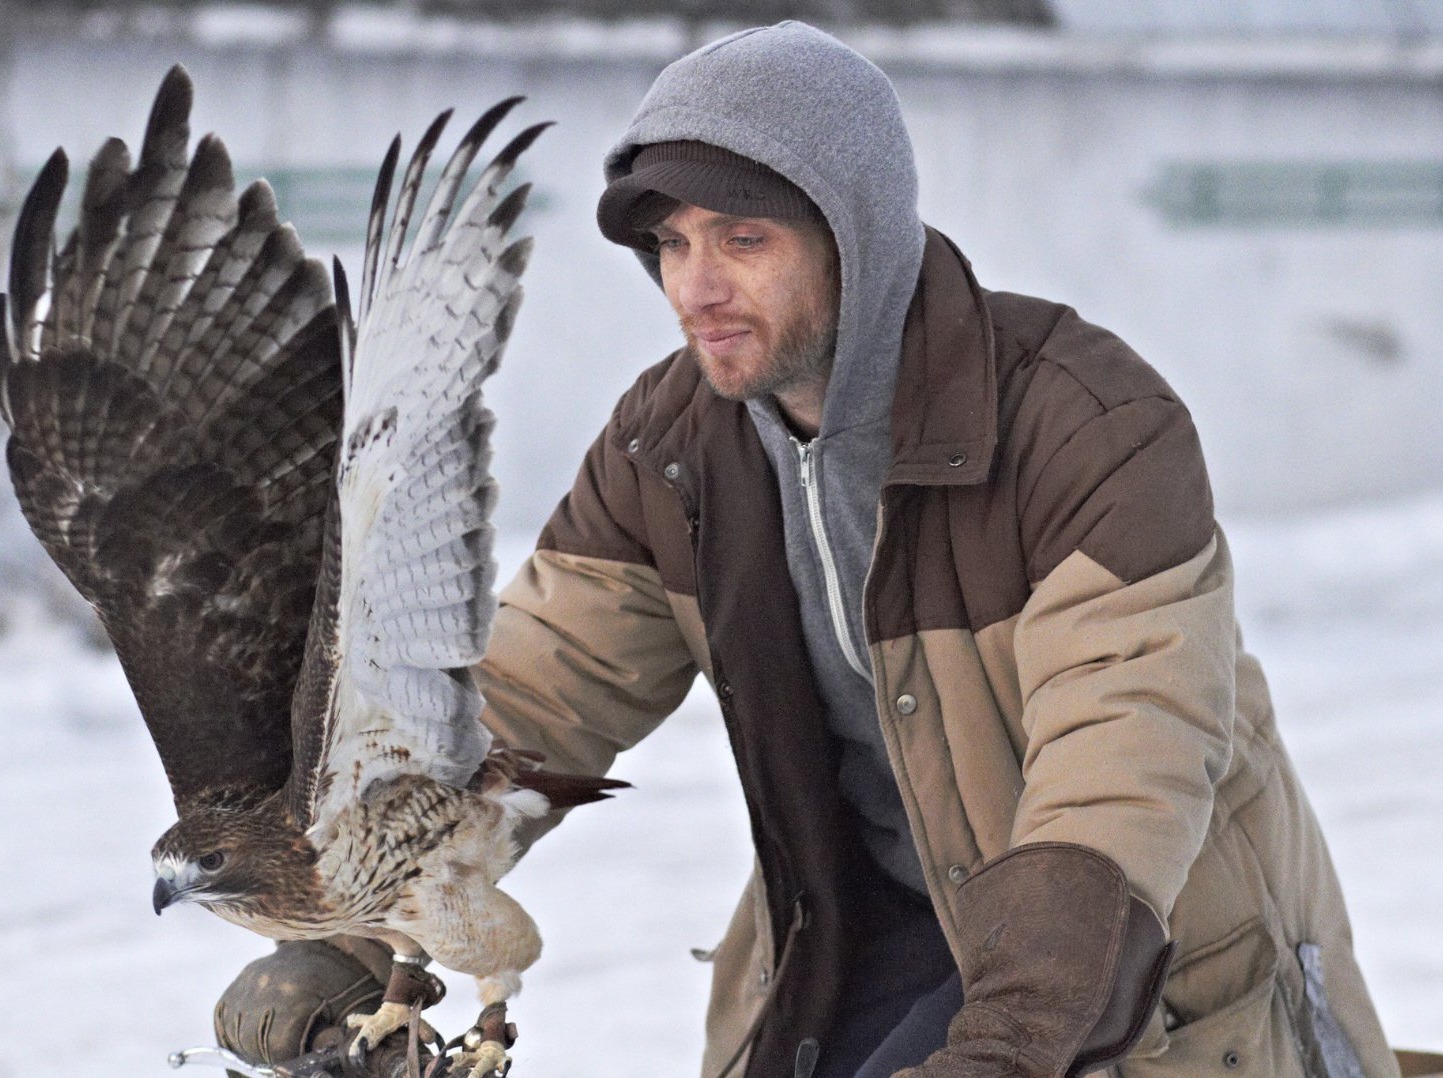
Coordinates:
505 767
567 791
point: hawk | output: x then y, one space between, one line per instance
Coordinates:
281 514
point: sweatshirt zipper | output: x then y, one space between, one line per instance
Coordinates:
813 494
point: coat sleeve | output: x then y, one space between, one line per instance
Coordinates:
1126 646
586 656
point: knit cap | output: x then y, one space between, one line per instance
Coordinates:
664 174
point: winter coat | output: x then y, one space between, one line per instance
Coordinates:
1050 624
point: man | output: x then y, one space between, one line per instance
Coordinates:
948 558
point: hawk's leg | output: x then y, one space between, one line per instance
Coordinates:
484 1045
494 942
410 983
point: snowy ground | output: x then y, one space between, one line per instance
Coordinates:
1345 608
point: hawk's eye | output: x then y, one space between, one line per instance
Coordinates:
211 861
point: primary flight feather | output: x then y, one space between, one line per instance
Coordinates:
281 513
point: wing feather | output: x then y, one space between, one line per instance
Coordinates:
204 212
173 390
93 244
375 226
407 593
32 258
410 191
438 211
151 192
232 257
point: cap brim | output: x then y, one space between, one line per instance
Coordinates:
623 213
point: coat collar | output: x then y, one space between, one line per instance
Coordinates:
944 413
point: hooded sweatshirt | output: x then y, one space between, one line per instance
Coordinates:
815 111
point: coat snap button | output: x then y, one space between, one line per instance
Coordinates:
906 703
957 460
724 689
634 445
1231 1060
672 470
956 873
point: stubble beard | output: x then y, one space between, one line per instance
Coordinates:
801 358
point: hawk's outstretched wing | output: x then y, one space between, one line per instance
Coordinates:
405 603
173 386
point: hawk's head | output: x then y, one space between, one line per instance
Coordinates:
230 858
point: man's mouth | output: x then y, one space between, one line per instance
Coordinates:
721 341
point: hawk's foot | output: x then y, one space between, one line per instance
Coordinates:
375 1028
411 987
487 1059
483 1048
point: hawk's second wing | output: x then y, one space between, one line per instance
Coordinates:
172 385
406 599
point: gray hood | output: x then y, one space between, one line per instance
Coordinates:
805 105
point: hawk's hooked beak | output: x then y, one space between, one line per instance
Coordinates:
163 895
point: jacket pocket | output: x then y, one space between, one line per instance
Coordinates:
1247 1033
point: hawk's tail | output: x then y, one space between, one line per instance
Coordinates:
506 767
567 791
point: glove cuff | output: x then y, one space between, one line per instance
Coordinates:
1142 968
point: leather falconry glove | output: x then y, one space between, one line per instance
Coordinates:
294 1000
1061 968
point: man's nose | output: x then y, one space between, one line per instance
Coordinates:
699 283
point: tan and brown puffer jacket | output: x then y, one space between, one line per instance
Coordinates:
1050 619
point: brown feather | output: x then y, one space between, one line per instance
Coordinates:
567 791
506 767
173 438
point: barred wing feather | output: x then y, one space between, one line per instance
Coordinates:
172 382
406 594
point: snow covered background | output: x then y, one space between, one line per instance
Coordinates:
1344 607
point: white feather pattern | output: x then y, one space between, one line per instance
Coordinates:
417 575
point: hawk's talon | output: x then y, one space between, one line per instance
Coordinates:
480 1052
484 1045
375 1028
484 1059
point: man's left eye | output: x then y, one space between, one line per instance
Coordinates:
747 242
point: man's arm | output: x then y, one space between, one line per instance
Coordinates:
1125 654
586 660
1126 649
587 656
1128 707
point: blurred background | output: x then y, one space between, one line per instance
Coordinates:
1249 191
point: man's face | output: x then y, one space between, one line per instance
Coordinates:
757 298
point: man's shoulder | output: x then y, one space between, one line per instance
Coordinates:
1032 333
1102 455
